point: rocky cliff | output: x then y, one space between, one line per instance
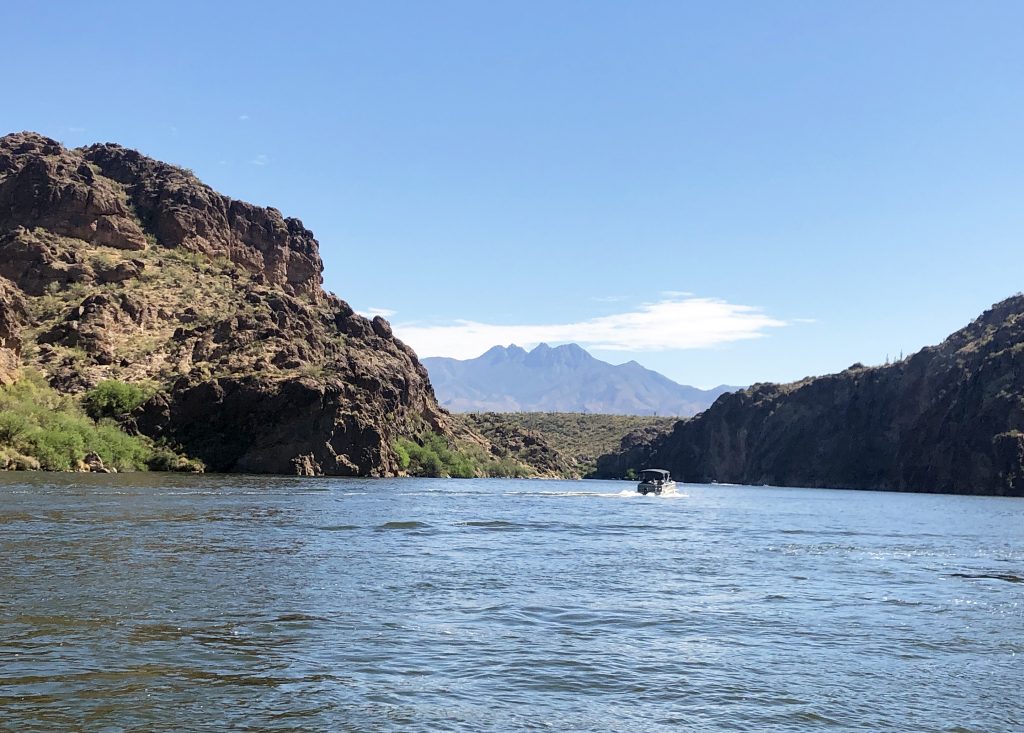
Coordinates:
12 315
947 419
117 266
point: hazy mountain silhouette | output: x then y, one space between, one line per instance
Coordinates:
560 379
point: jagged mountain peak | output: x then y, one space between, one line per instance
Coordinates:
563 378
563 354
503 354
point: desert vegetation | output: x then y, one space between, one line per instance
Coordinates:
433 456
573 440
43 429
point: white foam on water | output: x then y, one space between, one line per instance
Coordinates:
624 494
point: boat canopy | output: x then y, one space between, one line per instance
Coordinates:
654 474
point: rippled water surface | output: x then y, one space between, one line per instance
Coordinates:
156 603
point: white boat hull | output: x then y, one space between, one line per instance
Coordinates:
664 488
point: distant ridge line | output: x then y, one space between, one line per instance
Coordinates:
564 378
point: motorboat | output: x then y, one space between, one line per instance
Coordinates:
655 481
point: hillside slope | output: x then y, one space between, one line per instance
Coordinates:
117 266
566 444
561 379
947 419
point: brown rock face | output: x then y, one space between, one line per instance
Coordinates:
108 195
948 419
38 259
117 266
44 185
12 316
183 212
357 393
302 426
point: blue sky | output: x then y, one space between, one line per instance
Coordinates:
727 192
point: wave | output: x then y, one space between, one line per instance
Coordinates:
403 525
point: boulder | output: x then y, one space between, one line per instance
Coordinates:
120 272
94 464
119 232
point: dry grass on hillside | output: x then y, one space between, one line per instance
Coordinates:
579 438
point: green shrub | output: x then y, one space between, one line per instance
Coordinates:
402 452
433 458
13 426
436 458
39 425
101 261
57 447
165 459
507 468
112 398
120 450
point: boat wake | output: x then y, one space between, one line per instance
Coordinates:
624 494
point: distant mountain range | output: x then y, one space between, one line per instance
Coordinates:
560 379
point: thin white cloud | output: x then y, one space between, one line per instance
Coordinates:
609 298
76 129
671 323
804 320
371 312
243 117
260 159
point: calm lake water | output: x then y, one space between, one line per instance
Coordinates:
165 603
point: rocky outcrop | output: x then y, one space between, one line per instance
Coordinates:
44 185
947 419
37 260
181 211
117 266
112 196
339 418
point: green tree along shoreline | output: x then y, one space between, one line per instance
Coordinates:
112 398
41 429
434 457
